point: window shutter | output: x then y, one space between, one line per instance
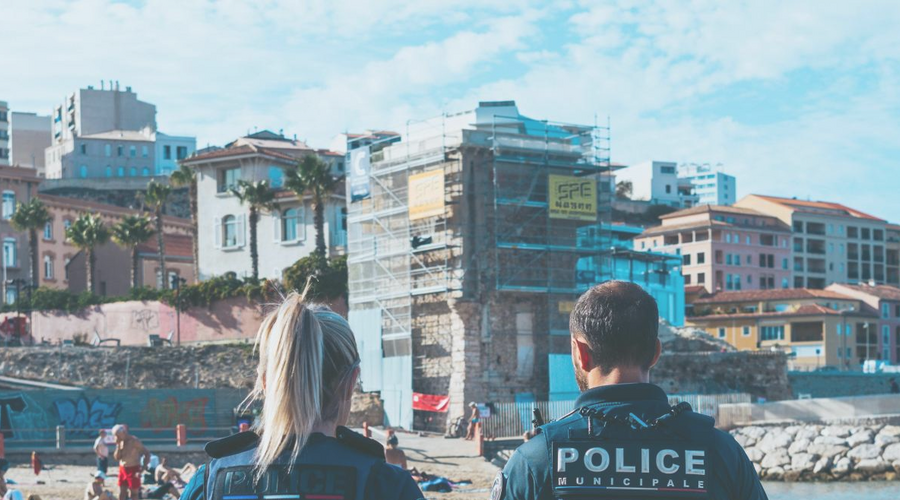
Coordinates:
217 229
276 225
241 230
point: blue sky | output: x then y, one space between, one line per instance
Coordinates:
794 98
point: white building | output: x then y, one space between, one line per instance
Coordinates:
4 134
29 137
657 182
110 133
284 235
710 184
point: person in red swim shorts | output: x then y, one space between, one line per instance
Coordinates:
129 451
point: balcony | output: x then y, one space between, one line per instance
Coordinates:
815 247
815 228
816 266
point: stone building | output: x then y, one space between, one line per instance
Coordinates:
468 243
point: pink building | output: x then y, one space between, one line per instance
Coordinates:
724 248
884 301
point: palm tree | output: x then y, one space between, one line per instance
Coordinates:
314 176
86 233
259 198
187 176
156 196
129 233
31 217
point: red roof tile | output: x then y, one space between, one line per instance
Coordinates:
760 295
177 245
806 310
886 292
80 205
714 208
827 205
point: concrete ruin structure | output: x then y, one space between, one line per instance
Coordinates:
469 242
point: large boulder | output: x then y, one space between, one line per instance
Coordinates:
809 432
892 452
862 437
864 452
841 467
826 450
793 430
777 458
885 439
896 466
754 432
799 446
755 454
830 440
744 441
774 440
841 431
890 430
775 473
871 466
802 462
822 465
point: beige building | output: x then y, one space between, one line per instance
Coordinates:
29 136
816 328
56 252
831 243
17 185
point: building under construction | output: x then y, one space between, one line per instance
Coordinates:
469 242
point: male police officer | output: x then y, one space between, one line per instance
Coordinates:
623 439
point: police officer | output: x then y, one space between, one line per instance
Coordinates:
308 368
623 439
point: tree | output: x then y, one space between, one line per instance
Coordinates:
259 198
312 175
624 190
31 217
129 233
86 233
187 176
156 196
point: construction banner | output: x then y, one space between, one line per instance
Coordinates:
430 402
426 194
359 174
573 198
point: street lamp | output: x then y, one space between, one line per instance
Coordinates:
177 282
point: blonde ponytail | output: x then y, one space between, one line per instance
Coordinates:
307 354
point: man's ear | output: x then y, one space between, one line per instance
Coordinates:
656 354
581 353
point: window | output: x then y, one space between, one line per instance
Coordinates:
748 240
864 233
132 151
132 172
181 152
120 151
167 152
897 310
83 171
10 253
746 331
169 282
749 279
701 278
9 204
66 225
667 170
701 258
886 343
66 271
290 222
687 279
737 259
144 152
48 267
108 171
48 231
107 149
784 263
728 259
784 282
687 259
10 295
276 177
83 149
727 237
145 172
120 171
885 311
721 333
668 189
229 231
852 232
772 333
228 179
729 284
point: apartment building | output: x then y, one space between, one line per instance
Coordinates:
658 183
831 243
724 248
29 137
284 235
4 133
56 252
110 133
374 139
884 301
816 328
17 185
710 184
892 254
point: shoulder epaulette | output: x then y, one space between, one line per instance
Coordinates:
230 445
359 442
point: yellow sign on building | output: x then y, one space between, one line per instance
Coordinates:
573 198
426 194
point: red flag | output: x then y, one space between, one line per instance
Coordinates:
431 402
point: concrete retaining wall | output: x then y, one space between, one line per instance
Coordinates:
810 410
838 384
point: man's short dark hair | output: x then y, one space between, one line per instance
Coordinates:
620 323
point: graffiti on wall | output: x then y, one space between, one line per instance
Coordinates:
21 417
145 319
84 416
169 412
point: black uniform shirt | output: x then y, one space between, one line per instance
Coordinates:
527 475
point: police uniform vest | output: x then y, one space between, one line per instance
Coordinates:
341 468
601 451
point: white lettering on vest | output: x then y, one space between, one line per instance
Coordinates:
670 484
589 460
626 481
565 456
645 460
620 462
661 461
693 462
